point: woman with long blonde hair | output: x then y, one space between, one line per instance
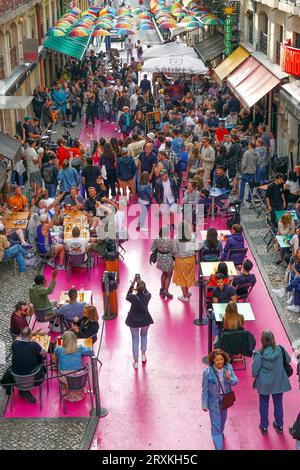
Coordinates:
232 319
69 356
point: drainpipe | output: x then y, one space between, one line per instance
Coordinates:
42 66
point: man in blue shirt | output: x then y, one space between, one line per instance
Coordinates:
223 293
147 160
72 309
178 147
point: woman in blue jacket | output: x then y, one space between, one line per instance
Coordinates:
270 379
219 371
234 241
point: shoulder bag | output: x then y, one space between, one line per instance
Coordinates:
287 367
153 257
228 398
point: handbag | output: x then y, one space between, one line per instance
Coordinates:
153 257
287 367
228 398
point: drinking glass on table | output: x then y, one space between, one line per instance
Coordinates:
81 294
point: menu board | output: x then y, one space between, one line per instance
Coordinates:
153 121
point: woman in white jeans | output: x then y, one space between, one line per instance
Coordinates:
138 318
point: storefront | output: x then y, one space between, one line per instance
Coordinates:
289 139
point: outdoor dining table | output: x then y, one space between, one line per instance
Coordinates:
215 193
244 309
75 218
17 220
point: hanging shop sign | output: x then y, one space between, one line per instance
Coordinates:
30 48
290 59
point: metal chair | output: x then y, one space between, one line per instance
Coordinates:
209 255
245 290
40 317
26 383
77 261
237 344
45 257
76 383
9 262
237 255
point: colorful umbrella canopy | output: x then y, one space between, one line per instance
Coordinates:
125 31
104 26
168 25
144 16
191 24
210 20
146 27
123 11
55 32
124 25
100 32
139 10
78 33
166 20
75 10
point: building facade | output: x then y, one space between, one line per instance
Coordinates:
270 27
20 20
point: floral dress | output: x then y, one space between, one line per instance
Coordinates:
165 261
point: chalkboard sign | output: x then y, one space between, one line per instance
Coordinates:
153 121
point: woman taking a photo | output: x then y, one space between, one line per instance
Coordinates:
185 262
163 247
218 379
138 318
270 378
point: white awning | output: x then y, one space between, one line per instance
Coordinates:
175 64
15 102
170 49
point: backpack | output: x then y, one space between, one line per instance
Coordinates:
140 50
48 174
295 429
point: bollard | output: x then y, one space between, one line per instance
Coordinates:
100 412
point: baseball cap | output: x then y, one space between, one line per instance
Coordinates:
163 172
124 150
151 135
27 118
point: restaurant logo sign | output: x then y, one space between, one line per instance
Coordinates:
290 59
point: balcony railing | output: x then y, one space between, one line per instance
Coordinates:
9 5
263 43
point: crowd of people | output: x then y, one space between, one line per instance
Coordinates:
204 140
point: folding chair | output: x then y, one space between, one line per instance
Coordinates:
77 261
76 382
25 383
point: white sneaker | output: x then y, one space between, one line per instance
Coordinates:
119 131
61 267
144 359
183 299
290 300
116 129
279 292
144 229
294 308
135 364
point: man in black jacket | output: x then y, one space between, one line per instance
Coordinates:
166 192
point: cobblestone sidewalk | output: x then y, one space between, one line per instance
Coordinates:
42 434
273 275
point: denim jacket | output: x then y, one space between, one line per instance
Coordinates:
211 392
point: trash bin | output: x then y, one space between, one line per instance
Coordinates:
112 257
109 283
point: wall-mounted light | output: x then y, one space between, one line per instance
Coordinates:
21 20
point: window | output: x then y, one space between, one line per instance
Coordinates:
278 45
250 26
297 40
263 35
